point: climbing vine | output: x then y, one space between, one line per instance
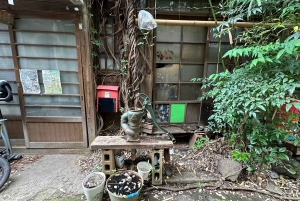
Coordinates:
129 56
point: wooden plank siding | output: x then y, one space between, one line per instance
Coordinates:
55 132
15 129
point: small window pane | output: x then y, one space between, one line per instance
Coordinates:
3 26
166 53
6 63
213 37
177 113
4 37
168 33
46 38
45 25
213 52
190 91
225 37
167 73
110 62
69 77
213 69
51 100
11 110
5 50
110 39
53 112
192 112
193 53
52 52
166 92
162 112
189 72
194 34
8 75
48 64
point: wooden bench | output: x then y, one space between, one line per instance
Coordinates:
108 144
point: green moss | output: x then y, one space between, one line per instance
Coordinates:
73 198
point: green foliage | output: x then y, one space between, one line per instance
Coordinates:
248 102
200 142
95 42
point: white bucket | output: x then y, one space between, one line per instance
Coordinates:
144 168
96 193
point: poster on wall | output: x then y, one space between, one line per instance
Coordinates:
30 81
51 79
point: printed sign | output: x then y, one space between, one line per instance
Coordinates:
51 80
30 81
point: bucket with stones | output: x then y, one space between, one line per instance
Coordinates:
125 185
93 186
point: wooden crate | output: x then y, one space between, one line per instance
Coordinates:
194 137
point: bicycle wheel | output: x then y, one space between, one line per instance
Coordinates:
4 171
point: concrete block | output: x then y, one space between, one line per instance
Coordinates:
108 161
157 163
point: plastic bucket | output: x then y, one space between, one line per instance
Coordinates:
144 168
132 197
96 193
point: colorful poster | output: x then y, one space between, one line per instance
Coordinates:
30 81
51 79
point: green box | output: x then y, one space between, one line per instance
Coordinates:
177 113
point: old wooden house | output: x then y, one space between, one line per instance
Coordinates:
55 53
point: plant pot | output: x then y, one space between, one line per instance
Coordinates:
93 186
118 185
144 168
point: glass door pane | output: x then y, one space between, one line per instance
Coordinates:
7 73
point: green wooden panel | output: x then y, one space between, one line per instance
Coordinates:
177 113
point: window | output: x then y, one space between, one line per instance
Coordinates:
180 52
49 45
184 53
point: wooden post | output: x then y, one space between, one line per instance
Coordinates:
89 89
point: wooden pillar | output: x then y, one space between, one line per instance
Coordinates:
88 80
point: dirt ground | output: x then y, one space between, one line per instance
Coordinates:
44 177
53 177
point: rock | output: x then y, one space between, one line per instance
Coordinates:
229 169
274 175
190 178
282 169
274 188
297 158
168 172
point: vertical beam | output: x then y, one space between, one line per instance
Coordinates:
88 81
18 80
81 83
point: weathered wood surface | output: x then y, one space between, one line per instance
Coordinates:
194 138
120 142
171 129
